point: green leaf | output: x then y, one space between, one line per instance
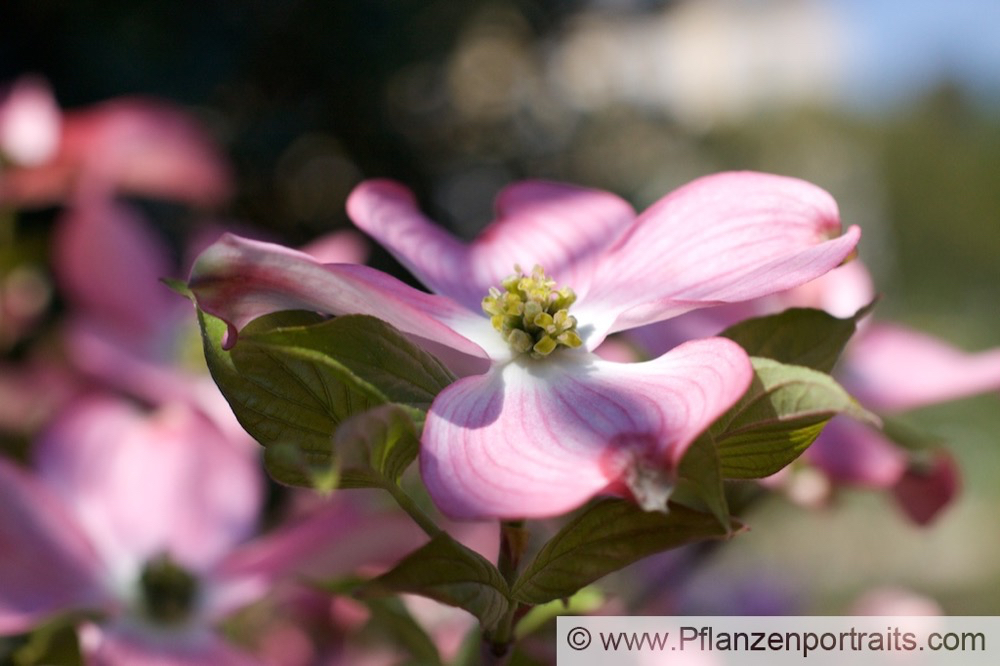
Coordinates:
780 415
374 353
53 641
588 600
797 336
699 480
292 465
606 536
293 378
382 439
342 585
179 287
902 431
445 570
391 617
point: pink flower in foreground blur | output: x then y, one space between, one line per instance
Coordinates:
538 424
145 519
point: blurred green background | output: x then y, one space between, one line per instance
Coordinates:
891 106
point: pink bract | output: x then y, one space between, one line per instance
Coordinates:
518 437
129 145
116 488
893 368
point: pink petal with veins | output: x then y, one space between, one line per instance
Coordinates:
841 292
534 440
724 238
564 228
239 280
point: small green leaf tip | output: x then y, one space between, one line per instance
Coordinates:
532 313
179 286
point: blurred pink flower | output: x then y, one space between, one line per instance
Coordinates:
526 433
33 389
892 368
107 259
128 145
29 123
896 602
888 367
928 486
145 520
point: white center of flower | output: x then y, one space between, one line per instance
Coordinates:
532 314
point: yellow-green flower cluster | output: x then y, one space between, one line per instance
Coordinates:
532 314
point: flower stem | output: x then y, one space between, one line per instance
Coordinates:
497 646
513 541
488 655
407 504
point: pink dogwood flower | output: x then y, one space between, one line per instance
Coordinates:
537 424
146 521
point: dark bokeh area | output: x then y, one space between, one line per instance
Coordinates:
305 96
456 98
